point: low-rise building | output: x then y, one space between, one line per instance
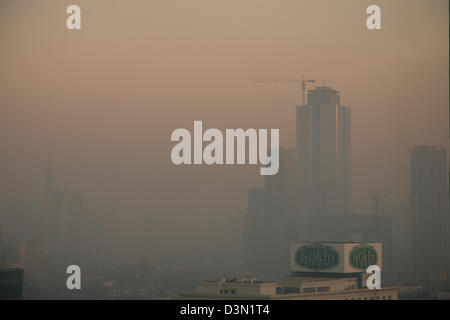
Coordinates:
289 288
318 271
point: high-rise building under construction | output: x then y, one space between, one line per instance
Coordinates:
323 155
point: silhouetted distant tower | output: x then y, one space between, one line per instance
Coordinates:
48 180
48 207
429 212
255 232
271 223
281 215
323 154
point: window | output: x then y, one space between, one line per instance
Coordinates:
288 290
309 290
323 289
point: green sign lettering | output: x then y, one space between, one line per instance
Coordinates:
363 256
316 257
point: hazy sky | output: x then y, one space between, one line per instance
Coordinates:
104 100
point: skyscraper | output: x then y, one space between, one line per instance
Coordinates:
281 217
429 212
323 158
271 223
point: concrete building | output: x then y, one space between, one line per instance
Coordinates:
323 145
318 271
234 288
429 213
313 182
288 288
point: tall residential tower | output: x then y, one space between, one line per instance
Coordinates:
323 155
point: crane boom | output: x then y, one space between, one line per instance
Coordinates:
303 82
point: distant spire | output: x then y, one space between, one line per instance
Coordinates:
48 176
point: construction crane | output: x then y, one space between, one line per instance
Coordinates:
303 82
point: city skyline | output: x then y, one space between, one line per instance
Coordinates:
86 118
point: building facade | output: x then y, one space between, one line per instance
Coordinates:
323 145
429 213
318 271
